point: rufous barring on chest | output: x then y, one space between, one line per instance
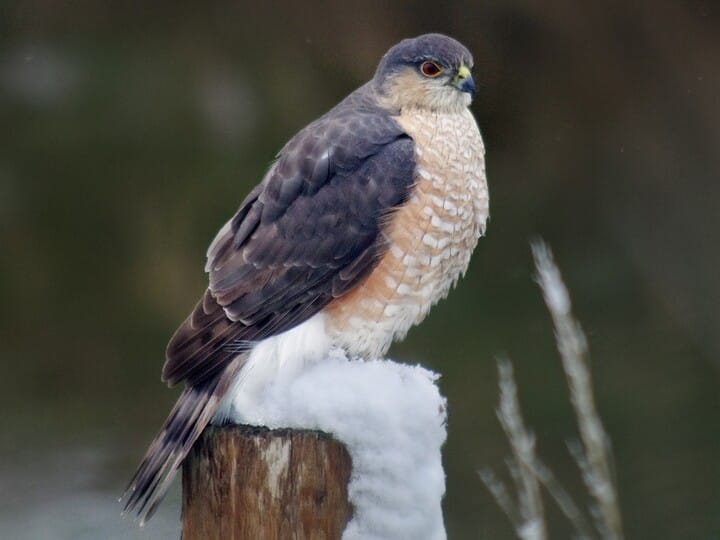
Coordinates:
430 238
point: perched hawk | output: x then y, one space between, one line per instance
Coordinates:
366 219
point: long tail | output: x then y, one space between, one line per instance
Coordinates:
192 412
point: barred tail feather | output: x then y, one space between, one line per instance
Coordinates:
192 412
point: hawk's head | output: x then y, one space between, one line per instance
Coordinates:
431 71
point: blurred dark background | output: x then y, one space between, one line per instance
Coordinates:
131 131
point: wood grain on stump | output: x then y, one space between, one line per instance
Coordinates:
249 483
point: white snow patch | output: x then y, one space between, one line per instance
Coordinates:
276 360
391 417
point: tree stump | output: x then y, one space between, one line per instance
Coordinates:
250 483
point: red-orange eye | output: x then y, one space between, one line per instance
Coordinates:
430 69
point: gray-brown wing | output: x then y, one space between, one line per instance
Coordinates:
307 234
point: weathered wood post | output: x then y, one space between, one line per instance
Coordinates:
250 483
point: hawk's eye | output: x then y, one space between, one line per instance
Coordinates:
430 69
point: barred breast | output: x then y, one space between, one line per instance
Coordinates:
430 238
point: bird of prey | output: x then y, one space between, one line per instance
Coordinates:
365 220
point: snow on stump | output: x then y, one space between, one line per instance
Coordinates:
391 419
244 482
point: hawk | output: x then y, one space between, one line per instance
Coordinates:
365 220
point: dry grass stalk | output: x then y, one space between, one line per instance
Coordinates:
593 454
526 514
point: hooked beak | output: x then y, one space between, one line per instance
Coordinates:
463 80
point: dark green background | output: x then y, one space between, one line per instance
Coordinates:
131 132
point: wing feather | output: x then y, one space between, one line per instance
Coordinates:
307 234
